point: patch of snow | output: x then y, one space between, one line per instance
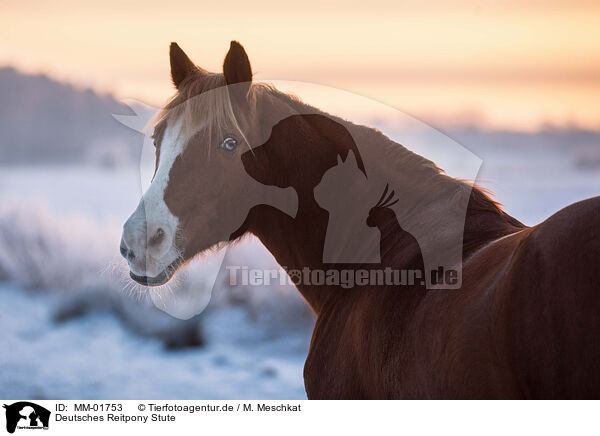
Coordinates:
93 357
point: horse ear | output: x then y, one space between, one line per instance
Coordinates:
236 66
181 65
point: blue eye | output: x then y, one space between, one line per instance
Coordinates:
229 143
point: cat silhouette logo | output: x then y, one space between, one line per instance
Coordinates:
26 415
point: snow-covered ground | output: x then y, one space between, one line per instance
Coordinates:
95 358
70 330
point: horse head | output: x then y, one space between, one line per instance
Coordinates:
201 191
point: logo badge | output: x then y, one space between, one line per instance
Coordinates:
26 415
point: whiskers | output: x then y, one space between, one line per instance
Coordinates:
117 272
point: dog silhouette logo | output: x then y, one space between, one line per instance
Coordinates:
26 415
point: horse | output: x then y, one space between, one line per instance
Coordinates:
517 319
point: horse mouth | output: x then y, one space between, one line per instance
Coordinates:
159 280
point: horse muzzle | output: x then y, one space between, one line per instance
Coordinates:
158 280
150 251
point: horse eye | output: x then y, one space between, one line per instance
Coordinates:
229 143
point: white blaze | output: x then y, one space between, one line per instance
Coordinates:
153 212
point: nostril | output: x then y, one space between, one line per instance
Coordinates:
124 251
157 238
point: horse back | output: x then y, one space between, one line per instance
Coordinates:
524 325
554 305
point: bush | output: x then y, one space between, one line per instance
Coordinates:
76 258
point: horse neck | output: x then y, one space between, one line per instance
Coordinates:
433 206
298 243
398 248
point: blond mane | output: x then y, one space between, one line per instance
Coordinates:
203 101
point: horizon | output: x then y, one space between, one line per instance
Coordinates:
458 124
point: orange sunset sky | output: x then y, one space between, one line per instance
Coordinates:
496 64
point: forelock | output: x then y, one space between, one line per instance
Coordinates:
202 102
